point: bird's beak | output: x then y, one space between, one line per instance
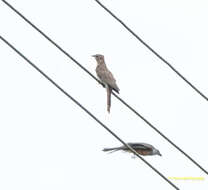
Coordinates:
93 56
159 154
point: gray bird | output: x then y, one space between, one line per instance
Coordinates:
141 148
106 78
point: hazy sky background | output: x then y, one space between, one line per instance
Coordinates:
48 143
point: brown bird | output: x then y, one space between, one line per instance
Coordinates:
106 78
143 149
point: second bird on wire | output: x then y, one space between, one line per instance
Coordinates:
143 149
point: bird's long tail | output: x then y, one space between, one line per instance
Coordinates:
109 91
111 149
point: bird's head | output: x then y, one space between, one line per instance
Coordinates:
99 58
156 152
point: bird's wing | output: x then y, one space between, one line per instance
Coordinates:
143 146
107 77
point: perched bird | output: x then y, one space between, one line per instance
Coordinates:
106 78
143 149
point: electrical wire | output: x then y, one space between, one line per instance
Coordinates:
121 100
153 51
86 110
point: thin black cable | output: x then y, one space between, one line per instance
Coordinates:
121 100
49 39
86 110
153 51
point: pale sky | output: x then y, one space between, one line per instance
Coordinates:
48 143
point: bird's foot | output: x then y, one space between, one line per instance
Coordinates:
101 84
133 156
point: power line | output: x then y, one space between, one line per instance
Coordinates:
153 51
87 111
121 100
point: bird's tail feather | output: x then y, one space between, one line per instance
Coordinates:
109 90
111 150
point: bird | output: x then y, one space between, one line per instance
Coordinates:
106 77
143 149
